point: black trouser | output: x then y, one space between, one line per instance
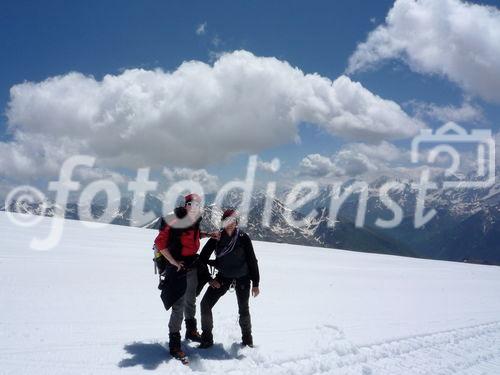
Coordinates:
212 295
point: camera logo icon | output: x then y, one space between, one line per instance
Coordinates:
445 140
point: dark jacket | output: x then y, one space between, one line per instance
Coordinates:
176 283
174 286
239 262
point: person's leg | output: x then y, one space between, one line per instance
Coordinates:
176 315
190 295
175 324
190 306
212 295
243 295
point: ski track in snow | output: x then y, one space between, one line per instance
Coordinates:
468 350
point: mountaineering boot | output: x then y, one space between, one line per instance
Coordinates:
191 331
207 340
247 339
174 345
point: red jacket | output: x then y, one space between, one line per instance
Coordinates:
179 241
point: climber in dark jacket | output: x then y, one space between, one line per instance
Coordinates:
237 266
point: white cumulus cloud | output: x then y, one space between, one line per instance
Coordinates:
467 112
194 116
317 165
354 159
209 182
451 38
269 166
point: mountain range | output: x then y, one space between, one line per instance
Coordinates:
466 226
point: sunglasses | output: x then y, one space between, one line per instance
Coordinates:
193 204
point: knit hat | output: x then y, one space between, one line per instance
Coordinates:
229 213
192 197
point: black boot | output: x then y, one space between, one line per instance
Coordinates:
207 340
247 339
191 331
174 345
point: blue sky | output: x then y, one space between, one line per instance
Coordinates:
40 40
98 38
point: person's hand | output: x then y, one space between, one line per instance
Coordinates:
255 291
215 284
215 235
179 265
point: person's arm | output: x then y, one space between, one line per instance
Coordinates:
166 253
161 243
252 264
214 234
207 250
205 255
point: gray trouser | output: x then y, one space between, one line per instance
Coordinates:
186 305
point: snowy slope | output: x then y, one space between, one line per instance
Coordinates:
91 306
